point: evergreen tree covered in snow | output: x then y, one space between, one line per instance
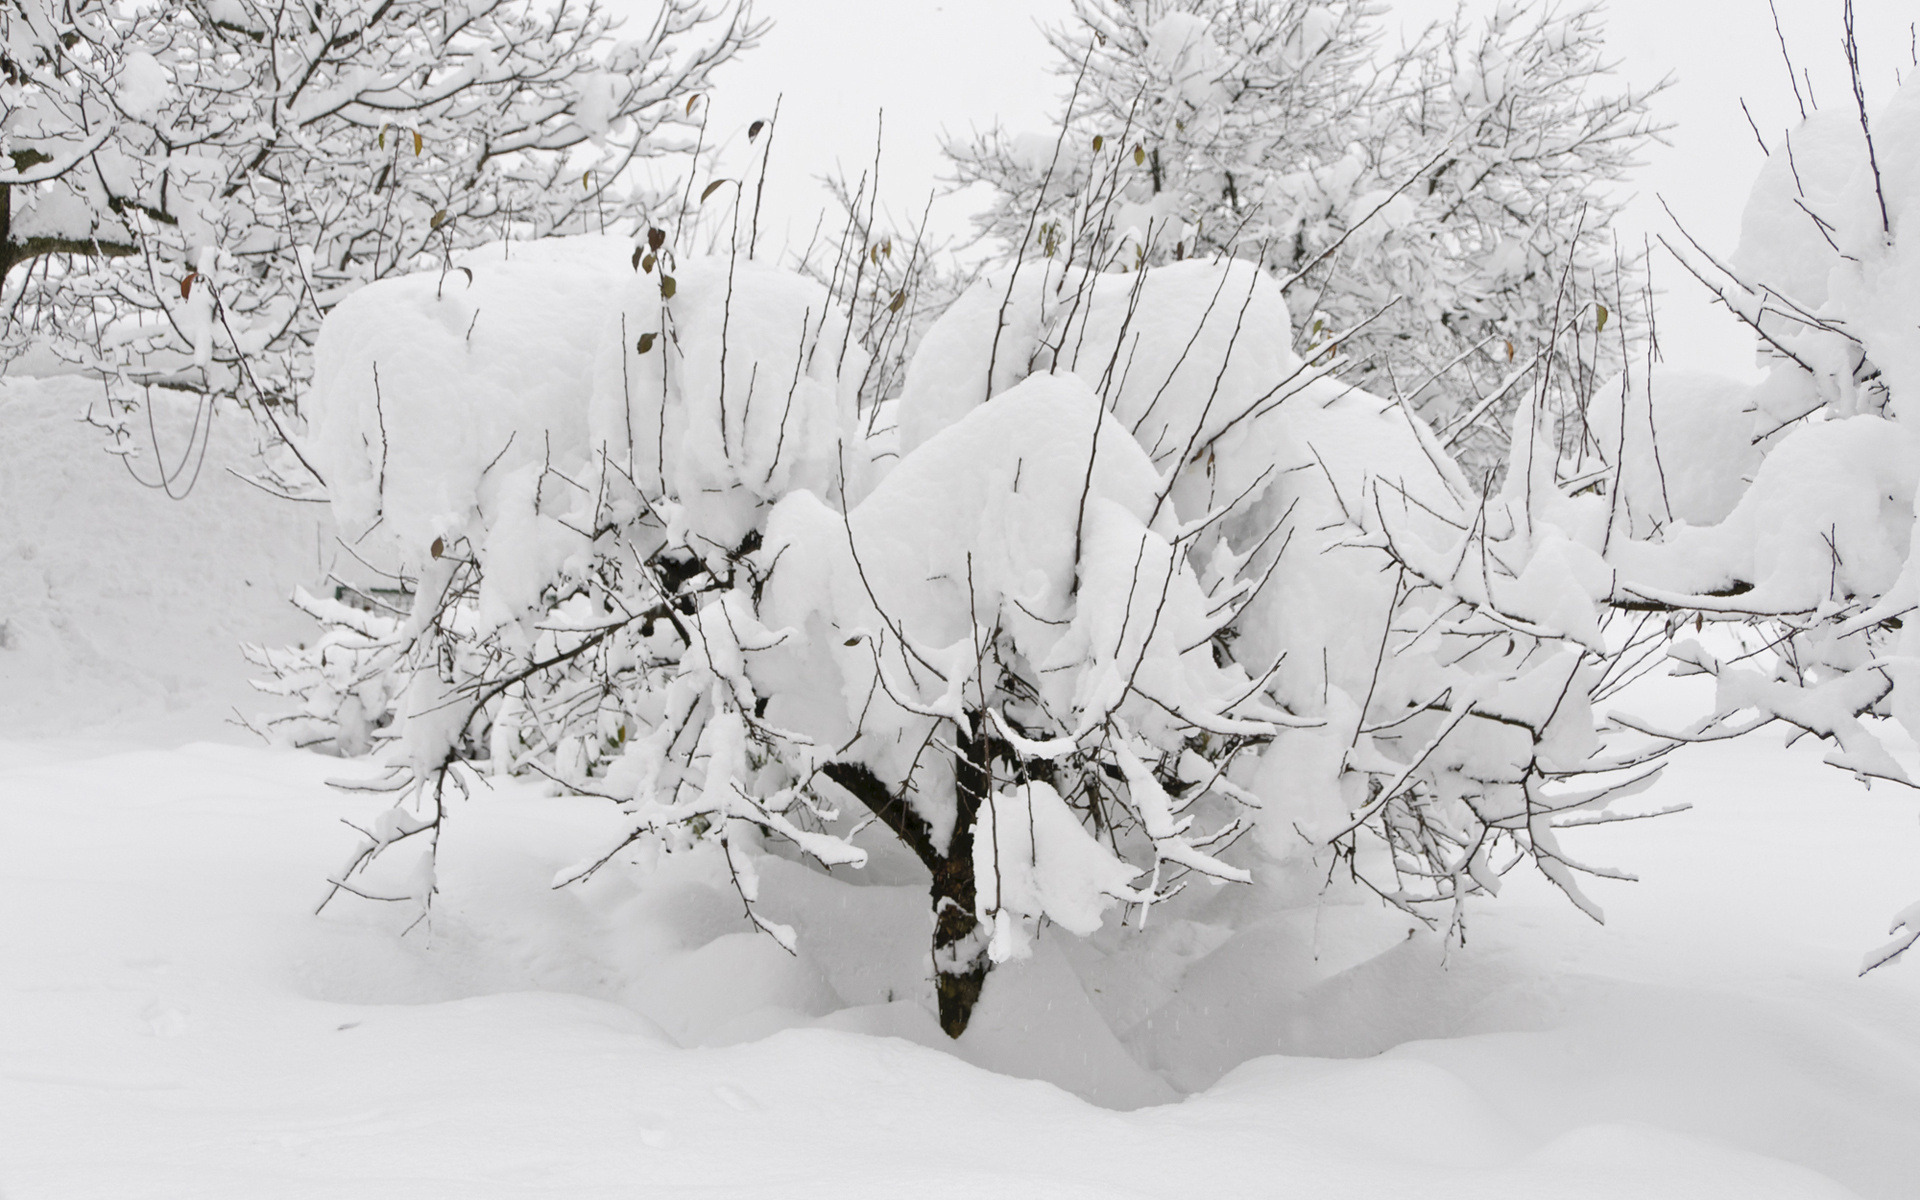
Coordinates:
1437 210
194 185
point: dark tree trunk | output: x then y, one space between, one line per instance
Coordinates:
960 962
959 945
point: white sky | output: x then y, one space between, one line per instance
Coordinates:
939 66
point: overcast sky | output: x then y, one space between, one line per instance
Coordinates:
945 66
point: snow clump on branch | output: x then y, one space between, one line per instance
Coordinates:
1782 512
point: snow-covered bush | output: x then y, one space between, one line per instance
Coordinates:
194 185
1786 509
1782 512
1437 207
1117 578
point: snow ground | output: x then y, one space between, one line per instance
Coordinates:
174 1023
120 610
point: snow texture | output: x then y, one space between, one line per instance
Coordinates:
179 1023
121 613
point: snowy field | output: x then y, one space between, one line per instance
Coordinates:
175 1023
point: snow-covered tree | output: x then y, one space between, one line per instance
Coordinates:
1118 578
195 184
1435 209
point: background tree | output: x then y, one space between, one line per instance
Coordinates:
196 185
1783 512
1070 620
1435 209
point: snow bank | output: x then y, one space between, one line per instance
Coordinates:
217 1039
740 388
1189 357
1195 359
1035 859
438 396
1828 518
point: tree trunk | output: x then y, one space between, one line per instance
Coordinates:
960 962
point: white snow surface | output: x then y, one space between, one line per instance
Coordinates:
121 611
1033 858
175 1022
976 526
179 1024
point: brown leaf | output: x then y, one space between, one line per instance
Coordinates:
1509 351
1602 327
186 285
417 143
646 264
667 287
898 302
586 180
637 252
645 343
691 101
753 130
1098 142
1139 154
656 238
710 189
383 136
438 548
439 219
